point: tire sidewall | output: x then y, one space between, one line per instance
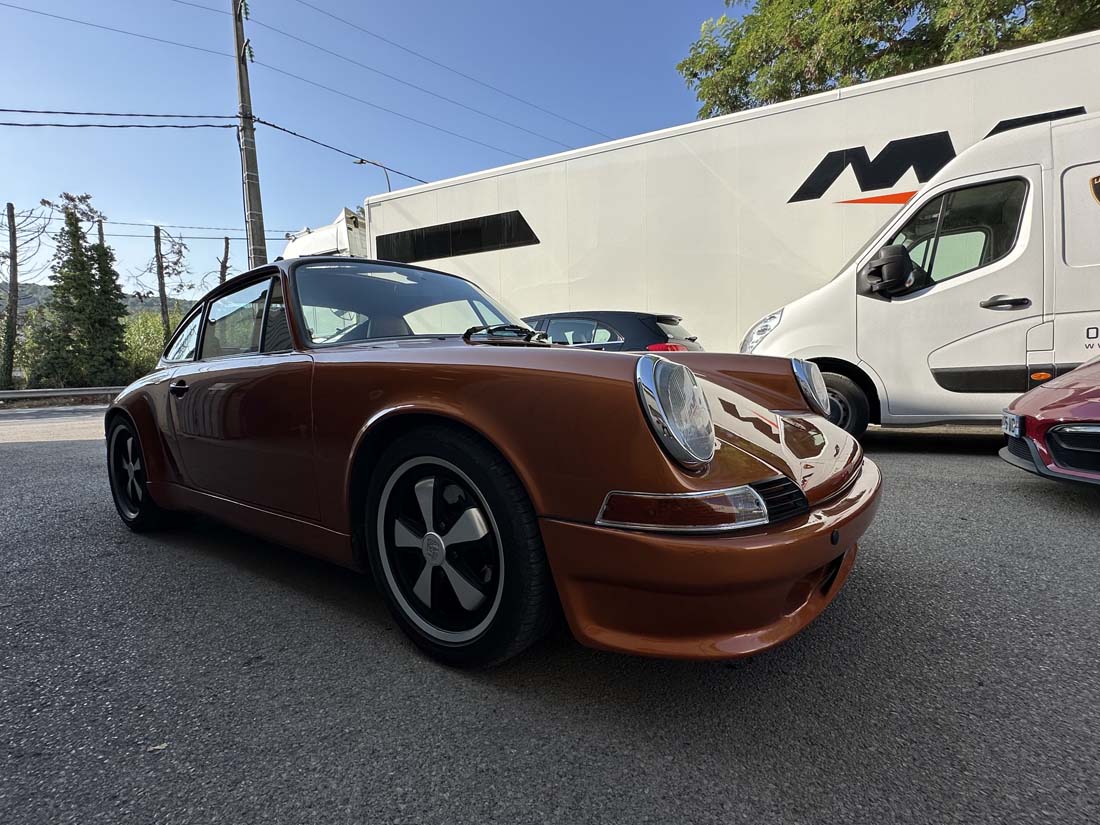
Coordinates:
148 514
859 408
513 529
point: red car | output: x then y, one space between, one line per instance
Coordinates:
1054 430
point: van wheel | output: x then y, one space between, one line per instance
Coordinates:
455 547
849 408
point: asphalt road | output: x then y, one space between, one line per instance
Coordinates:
203 676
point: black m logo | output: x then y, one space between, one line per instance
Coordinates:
924 154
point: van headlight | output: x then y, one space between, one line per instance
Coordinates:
812 384
677 410
760 330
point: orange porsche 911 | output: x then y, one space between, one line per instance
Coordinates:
397 419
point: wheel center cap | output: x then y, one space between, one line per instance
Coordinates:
433 549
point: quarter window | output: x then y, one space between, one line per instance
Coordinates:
963 230
235 321
276 327
183 347
571 331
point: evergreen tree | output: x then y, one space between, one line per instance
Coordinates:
64 342
80 337
104 320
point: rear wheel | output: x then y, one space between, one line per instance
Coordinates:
456 550
848 404
129 480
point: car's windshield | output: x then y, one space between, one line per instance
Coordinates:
345 301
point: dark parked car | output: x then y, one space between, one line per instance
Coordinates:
616 331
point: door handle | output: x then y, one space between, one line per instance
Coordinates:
1004 302
178 388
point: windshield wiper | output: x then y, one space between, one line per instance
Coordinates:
526 333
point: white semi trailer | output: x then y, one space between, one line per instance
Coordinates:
723 220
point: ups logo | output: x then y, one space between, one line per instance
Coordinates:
1095 185
924 154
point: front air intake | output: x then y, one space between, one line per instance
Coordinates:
783 498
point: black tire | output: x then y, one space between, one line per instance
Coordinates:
129 482
470 602
848 404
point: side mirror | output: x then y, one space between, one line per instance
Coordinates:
890 272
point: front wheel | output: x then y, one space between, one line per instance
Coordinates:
455 547
848 404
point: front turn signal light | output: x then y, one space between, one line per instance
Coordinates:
715 511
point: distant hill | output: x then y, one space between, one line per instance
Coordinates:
32 296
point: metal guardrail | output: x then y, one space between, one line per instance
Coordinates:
64 392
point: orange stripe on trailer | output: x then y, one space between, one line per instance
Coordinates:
895 197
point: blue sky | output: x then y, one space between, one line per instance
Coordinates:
607 65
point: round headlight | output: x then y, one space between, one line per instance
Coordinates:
812 384
677 410
760 330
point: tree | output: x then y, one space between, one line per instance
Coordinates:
145 341
25 229
783 49
79 338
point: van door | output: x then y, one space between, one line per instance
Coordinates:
957 344
1077 261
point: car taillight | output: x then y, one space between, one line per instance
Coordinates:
667 348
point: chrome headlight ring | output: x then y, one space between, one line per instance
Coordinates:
676 409
812 384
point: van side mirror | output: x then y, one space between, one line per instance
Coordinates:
890 272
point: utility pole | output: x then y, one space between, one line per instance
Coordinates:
99 226
160 284
223 268
253 208
7 365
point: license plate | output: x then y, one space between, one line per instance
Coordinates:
1010 424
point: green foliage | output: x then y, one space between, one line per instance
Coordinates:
783 49
145 341
77 340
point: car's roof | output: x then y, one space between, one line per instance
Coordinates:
612 313
285 265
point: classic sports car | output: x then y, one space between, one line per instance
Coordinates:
1054 429
397 419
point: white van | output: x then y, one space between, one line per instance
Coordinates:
985 284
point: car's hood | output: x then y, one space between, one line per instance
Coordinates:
744 393
1074 396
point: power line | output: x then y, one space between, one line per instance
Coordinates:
410 118
58 218
121 125
356 158
116 31
270 68
352 155
441 65
115 114
387 75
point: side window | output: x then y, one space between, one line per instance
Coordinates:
276 327
571 330
183 347
605 334
234 322
963 230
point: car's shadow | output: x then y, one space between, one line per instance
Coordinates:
557 669
962 440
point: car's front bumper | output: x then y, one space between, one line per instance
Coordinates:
1023 453
707 596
